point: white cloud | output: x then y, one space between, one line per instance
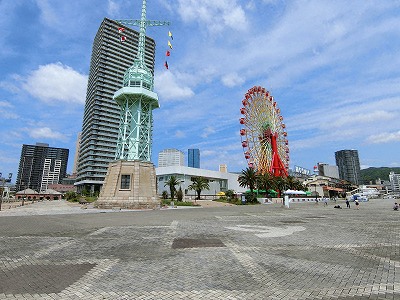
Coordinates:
384 137
232 79
6 111
169 87
112 7
45 133
8 115
217 15
5 104
47 13
208 131
57 82
180 134
360 118
10 85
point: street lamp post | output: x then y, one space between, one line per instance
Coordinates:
23 198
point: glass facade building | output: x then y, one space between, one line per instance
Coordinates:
109 61
194 158
349 165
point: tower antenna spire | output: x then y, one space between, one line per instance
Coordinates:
142 33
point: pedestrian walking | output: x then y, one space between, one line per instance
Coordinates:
396 206
325 201
357 204
347 203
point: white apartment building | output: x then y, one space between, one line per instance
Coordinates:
51 174
171 157
394 181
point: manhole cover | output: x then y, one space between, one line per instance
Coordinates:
181 243
41 279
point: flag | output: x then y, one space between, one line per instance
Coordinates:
121 30
166 65
169 44
123 38
167 53
170 35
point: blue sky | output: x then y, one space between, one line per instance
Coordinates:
332 66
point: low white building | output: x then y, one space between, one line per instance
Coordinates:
218 181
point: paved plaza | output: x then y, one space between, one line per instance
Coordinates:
55 250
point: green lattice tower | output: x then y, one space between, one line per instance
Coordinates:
137 100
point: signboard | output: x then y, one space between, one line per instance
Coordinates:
302 171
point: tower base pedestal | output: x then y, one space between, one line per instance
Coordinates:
129 184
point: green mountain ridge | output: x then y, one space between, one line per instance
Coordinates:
372 174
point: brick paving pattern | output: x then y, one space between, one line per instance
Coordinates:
55 250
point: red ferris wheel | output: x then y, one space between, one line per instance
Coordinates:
263 134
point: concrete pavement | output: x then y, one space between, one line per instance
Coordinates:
55 250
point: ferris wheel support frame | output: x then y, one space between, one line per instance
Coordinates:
277 166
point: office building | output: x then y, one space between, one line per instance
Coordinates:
328 170
194 158
349 165
394 182
110 59
171 157
41 165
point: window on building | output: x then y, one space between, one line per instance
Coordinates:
125 182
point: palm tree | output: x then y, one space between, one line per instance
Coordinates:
280 184
294 184
172 182
248 178
265 182
199 184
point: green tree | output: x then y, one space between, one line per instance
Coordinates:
230 194
248 178
265 182
171 183
179 194
164 195
71 196
199 184
294 184
280 184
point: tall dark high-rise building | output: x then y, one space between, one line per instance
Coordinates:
41 165
349 165
194 158
109 61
